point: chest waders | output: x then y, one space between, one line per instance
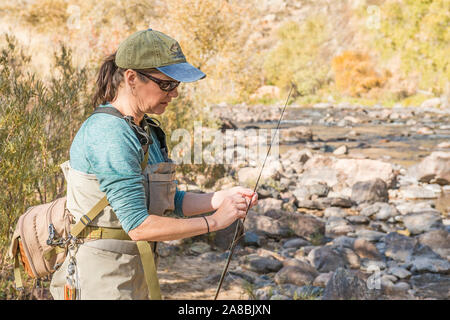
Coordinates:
108 264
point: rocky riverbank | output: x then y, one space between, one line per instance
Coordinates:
331 225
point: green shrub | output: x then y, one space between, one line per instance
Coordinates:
297 58
419 32
38 121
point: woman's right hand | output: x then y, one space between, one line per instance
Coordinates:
232 208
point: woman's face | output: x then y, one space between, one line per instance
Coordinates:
149 97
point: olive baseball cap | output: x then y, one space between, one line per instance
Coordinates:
153 49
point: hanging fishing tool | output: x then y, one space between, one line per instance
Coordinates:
239 233
71 287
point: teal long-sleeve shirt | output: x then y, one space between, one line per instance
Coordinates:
106 146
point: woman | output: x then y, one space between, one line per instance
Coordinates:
109 156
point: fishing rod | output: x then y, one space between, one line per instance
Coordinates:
240 224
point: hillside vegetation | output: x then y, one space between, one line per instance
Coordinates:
316 45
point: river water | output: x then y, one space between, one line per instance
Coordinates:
402 136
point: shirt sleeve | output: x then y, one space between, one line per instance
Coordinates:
114 154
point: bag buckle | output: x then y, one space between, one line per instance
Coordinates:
85 220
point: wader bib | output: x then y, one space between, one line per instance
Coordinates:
109 265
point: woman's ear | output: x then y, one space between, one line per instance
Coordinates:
130 78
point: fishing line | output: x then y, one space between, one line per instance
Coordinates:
240 224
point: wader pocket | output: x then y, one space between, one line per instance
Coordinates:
162 187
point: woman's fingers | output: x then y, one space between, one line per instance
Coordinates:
239 199
242 213
246 198
254 199
246 192
242 206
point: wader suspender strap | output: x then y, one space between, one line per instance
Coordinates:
145 250
148 263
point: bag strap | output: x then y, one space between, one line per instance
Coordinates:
143 136
148 264
160 134
97 208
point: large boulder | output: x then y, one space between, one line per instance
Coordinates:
247 176
355 170
264 205
296 272
296 243
346 285
267 225
324 175
366 249
337 226
327 258
370 235
345 172
334 212
259 264
438 240
419 222
305 192
434 168
443 203
323 203
223 238
319 169
417 192
304 226
380 211
423 259
370 191
431 285
399 247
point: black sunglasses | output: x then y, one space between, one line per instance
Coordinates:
164 85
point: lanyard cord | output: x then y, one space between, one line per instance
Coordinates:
240 224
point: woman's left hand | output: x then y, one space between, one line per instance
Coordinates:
247 193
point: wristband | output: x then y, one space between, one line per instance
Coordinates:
207 224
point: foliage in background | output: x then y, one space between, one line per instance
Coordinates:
46 14
355 74
418 33
297 58
233 43
215 36
38 121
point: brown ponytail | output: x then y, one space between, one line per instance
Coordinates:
109 78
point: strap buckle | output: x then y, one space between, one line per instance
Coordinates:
85 220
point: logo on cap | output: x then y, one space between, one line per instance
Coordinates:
175 51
